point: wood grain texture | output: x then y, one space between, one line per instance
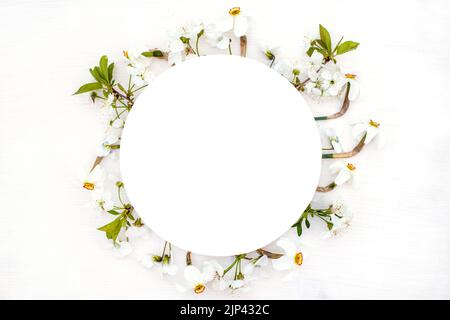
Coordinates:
399 244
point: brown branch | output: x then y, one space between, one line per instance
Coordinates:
243 41
97 161
269 254
188 258
326 188
348 154
344 107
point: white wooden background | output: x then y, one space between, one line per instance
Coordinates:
398 246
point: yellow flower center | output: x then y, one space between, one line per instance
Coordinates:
350 76
374 124
89 186
298 259
350 167
234 11
199 288
125 54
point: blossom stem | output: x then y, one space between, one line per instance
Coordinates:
97 161
189 258
326 188
196 45
229 48
269 254
344 107
348 154
243 41
271 64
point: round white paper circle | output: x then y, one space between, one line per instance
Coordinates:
220 155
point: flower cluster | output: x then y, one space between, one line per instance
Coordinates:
316 73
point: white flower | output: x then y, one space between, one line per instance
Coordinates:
235 21
196 279
331 83
138 67
292 259
370 129
95 179
123 249
107 103
118 123
333 138
345 172
288 68
168 267
146 260
216 38
271 51
103 200
111 137
354 86
341 220
250 267
314 63
136 232
176 51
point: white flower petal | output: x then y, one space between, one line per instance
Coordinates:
240 25
343 176
192 275
223 43
354 91
283 263
288 246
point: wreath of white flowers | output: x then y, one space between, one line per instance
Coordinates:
317 73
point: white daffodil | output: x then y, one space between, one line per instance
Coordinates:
291 260
370 129
235 21
95 179
345 172
333 137
331 82
354 86
196 279
111 137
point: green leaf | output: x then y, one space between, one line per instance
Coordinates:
325 37
310 51
104 67
299 229
113 228
110 71
329 225
346 47
114 212
89 87
154 53
307 223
